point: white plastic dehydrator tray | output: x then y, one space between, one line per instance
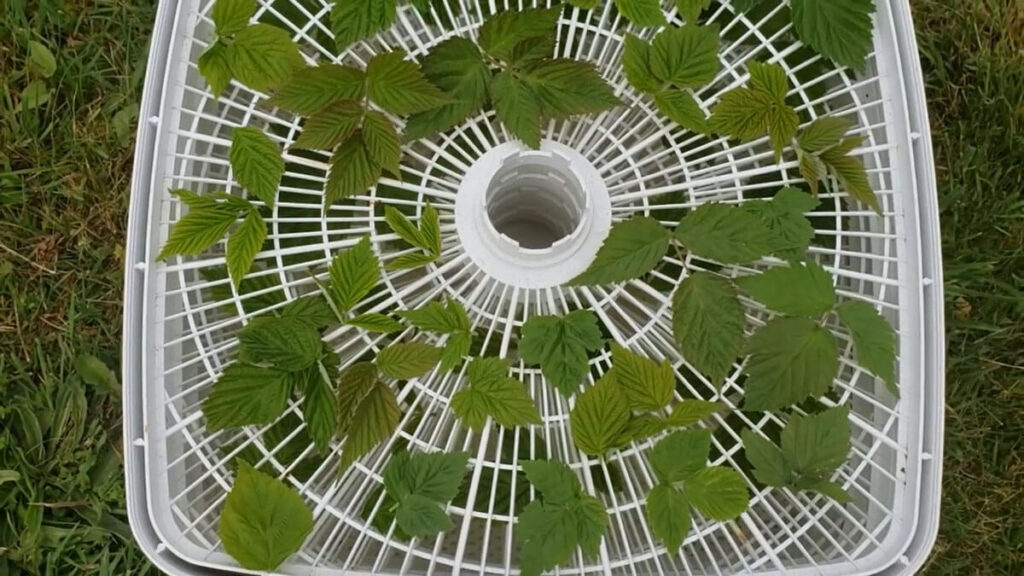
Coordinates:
181 323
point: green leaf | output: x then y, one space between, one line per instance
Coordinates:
599 417
406 230
636 62
244 244
215 67
518 108
404 361
455 349
373 421
398 86
794 290
690 412
532 50
257 163
352 171
668 514
430 226
790 233
823 133
458 69
354 272
319 408
34 95
312 88
382 142
642 12
841 30
263 521
263 57
312 310
719 493
231 16
825 487
817 444
500 33
420 517
40 60
680 455
373 322
565 87
682 108
411 261
750 113
591 521
285 343
770 466
791 359
353 20
646 384
708 320
246 395
559 344
330 126
724 233
690 9
554 480
874 340
633 248
769 79
206 222
685 57
95 373
354 384
436 476
548 534
491 392
435 317
850 172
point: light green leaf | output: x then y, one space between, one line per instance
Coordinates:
817 444
244 244
374 420
411 261
398 86
263 521
458 69
312 88
373 322
642 427
680 455
823 133
382 142
354 272
246 395
206 222
770 466
420 517
404 361
812 169
34 95
231 16
548 536
685 57
215 67
690 412
791 359
646 384
840 30
794 290
312 310
352 171
257 163
500 33
690 9
719 493
769 79
95 373
319 407
668 515
40 60
263 57
285 343
874 340
517 107
430 226
491 392
633 248
682 108
9 476
435 317
599 417
565 87
353 20
636 62
790 233
559 344
406 230
724 233
554 480
642 12
330 126
708 320
750 113
455 349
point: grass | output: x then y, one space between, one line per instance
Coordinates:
64 170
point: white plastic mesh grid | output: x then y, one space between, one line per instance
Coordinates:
192 313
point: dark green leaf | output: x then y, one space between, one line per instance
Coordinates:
724 233
352 171
406 230
231 16
312 88
790 233
823 133
430 225
382 142
682 108
685 57
642 12
707 320
458 69
331 125
95 373
500 33
491 392
215 68
818 444
548 535
599 417
206 222
841 30
407 360
690 9
455 349
559 344
420 517
354 272
791 359
263 57
680 455
374 420
668 514
398 85
517 107
374 322
353 20
554 480
794 290
636 62
313 310
284 343
437 318
770 466
565 87
319 408
633 248
874 340
246 395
